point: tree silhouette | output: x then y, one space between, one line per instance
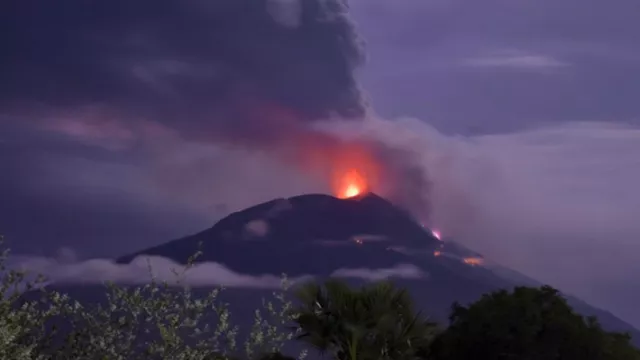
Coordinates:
527 323
376 321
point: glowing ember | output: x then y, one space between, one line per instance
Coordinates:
437 253
473 261
351 184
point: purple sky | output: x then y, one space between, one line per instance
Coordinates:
122 126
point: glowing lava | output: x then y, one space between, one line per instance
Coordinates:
351 191
473 261
351 184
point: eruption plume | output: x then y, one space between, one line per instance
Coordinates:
308 82
350 184
255 74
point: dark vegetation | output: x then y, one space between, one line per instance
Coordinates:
377 321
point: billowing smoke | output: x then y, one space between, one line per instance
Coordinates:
251 74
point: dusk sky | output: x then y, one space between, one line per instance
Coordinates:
127 124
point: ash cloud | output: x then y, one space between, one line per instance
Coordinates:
558 203
248 74
218 58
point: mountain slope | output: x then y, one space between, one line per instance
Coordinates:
319 235
319 221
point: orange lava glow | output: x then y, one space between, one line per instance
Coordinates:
353 169
437 253
351 184
350 167
473 261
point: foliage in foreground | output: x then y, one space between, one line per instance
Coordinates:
153 321
377 321
528 323
373 322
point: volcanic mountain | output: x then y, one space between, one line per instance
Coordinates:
359 237
308 234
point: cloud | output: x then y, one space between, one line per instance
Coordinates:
416 62
252 75
257 228
111 195
515 60
141 270
558 203
228 56
404 271
67 270
286 12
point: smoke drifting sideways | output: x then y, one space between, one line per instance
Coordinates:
249 74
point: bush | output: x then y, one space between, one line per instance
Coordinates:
528 323
156 320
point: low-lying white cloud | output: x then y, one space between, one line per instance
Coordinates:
141 271
403 271
515 60
257 228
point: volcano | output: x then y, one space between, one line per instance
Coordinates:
322 236
279 236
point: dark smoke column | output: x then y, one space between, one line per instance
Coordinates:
247 73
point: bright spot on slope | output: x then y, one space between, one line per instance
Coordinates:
473 261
